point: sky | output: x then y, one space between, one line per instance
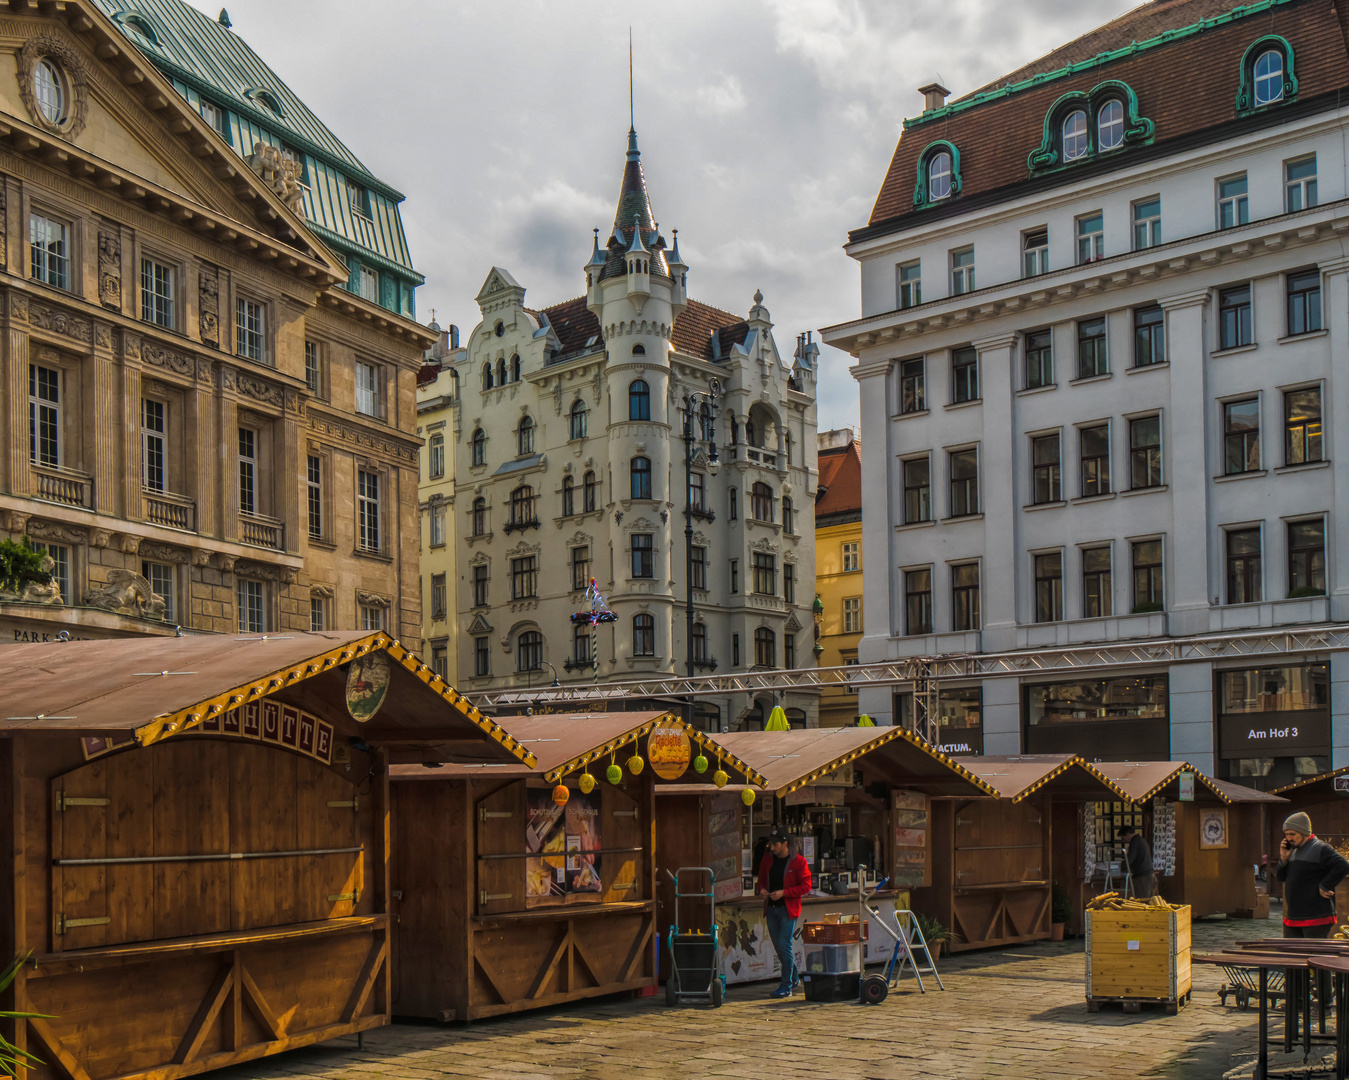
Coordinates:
765 126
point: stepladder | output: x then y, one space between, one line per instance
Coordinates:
911 950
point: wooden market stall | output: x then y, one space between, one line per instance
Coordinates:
509 899
1207 836
849 796
997 861
196 852
1325 799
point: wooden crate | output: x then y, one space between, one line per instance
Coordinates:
1143 954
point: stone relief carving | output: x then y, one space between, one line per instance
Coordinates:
479 559
260 571
52 530
321 592
642 524
479 625
370 599
110 270
129 544
279 173
335 429
18 305
168 359
523 548
763 545
99 538
208 306
163 552
131 346
557 396
33 592
126 593
59 322
577 539
201 557
71 61
103 335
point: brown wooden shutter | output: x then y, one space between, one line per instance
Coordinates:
501 832
621 828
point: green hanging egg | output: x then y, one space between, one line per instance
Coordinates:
613 774
700 764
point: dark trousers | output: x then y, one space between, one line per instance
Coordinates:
1145 885
1308 931
781 930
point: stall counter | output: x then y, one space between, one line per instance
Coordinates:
747 953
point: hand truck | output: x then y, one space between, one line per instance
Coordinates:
695 963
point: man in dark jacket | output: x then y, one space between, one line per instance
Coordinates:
1139 857
783 879
1309 869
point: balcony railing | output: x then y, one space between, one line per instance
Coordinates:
705 663
261 531
170 510
66 486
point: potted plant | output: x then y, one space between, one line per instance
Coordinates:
1060 911
934 933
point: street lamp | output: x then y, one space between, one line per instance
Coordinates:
529 681
692 402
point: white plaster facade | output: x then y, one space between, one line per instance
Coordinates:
437 396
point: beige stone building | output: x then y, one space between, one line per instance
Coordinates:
209 408
437 398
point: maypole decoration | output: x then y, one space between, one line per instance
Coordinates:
597 611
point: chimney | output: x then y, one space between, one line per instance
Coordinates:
454 336
934 96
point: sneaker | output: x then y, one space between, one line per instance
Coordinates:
780 992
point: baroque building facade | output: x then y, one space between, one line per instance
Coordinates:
838 569
1102 301
437 399
569 434
209 421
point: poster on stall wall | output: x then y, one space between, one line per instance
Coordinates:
723 845
566 842
910 823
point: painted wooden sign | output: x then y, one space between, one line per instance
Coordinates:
668 750
367 685
910 823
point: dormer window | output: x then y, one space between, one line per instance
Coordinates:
50 91
266 99
1110 126
1268 77
939 176
1075 135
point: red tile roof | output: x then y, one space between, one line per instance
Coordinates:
427 374
1184 87
575 325
840 473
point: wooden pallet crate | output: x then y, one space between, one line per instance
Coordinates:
1138 955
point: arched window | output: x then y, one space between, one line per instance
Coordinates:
501 372
479 517
50 91
578 419
436 466
522 506
735 432
487 375
590 493
765 647
749 433
639 350
1110 125
1269 77
479 446
699 643
568 496
939 176
515 368
524 436
709 432
639 400
640 469
529 651
788 517
761 501
1074 135
643 635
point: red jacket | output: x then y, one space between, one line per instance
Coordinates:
795 881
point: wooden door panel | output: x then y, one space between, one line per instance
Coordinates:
262 817
81 804
191 800
501 828
622 828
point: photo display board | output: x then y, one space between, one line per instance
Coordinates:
911 822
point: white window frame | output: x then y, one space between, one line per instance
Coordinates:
367 282
852 614
1115 125
44 410
248 470
370 616
154 443
369 534
63 571
250 598
909 290
1090 244
1236 205
1147 230
369 391
1075 141
1303 186
962 272
49 254
852 556
159 293
314 501
163 579
250 329
318 613
1275 77
1034 257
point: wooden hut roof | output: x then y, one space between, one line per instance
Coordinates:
793 759
562 743
1018 776
1314 787
157 687
1143 780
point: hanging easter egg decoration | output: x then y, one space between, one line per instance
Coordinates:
700 764
586 783
636 764
747 796
720 778
561 795
613 773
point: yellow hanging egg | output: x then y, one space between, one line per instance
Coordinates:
586 783
561 794
720 778
700 764
613 774
747 796
635 765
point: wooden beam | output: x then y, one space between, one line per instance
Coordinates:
205 1018
72 1068
491 974
546 968
257 1005
635 954
365 981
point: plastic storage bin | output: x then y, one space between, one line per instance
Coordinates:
834 959
821 987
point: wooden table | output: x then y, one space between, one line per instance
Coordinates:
1297 997
1338 968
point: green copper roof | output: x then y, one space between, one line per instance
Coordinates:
206 61
1165 38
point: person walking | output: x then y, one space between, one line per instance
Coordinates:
1138 856
1309 869
783 879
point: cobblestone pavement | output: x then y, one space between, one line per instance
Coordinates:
1017 1013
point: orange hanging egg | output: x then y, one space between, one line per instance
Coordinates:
561 794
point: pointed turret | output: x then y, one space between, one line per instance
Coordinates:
679 274
634 209
638 263
593 269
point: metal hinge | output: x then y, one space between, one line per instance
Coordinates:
624 888
626 813
63 800
488 897
352 804
63 924
484 814
964 821
336 898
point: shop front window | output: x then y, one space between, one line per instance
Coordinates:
960 718
1125 718
1274 723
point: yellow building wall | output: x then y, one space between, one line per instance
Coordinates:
838 707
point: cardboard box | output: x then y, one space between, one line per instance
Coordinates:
1140 953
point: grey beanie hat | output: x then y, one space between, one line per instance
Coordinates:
1299 822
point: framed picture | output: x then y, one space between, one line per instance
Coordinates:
1213 828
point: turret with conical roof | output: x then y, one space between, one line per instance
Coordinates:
633 215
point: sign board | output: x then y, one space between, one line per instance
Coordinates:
1275 734
840 777
668 751
1342 785
367 684
1186 780
910 822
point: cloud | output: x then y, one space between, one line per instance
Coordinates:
720 99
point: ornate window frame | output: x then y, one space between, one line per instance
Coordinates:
1138 129
1245 102
71 67
920 191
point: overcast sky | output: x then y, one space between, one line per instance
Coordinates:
765 127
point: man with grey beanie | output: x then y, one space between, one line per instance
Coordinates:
1310 869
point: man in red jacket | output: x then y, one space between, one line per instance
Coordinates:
783 879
